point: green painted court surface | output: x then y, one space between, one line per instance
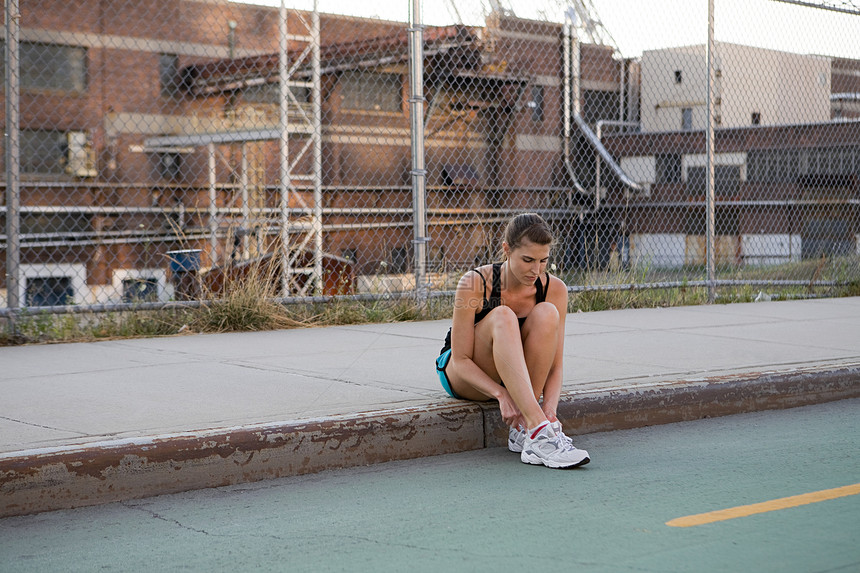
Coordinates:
485 511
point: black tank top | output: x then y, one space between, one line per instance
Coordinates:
496 298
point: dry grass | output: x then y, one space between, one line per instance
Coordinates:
248 304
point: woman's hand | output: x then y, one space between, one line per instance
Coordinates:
510 413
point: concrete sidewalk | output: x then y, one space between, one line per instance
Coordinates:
90 423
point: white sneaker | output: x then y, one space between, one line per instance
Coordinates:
556 427
516 439
543 446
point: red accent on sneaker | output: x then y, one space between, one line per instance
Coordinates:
538 429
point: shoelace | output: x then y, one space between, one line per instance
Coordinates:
565 440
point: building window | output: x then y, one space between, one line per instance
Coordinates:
687 118
823 164
170 165
727 180
668 167
400 259
599 104
827 165
52 284
536 103
773 165
168 73
140 290
43 152
678 76
140 285
756 118
51 67
370 91
49 291
826 237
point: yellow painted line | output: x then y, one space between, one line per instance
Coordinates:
765 506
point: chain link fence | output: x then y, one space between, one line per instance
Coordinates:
153 152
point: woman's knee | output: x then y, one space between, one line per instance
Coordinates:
503 319
544 315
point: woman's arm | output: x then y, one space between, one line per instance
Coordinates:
557 295
467 302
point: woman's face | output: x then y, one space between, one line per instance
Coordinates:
528 261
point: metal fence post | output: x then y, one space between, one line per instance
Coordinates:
710 195
13 221
416 104
317 152
284 157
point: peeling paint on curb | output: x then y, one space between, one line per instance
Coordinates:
66 477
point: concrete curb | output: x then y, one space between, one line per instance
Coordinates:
585 412
74 476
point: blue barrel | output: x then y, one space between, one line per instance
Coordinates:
184 261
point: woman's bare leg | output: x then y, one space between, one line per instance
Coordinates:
540 341
499 352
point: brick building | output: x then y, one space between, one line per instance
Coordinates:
150 127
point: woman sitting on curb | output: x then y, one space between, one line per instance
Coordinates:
506 343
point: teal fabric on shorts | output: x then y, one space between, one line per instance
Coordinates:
442 363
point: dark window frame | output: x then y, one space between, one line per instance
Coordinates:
49 291
687 118
727 180
43 157
669 167
143 289
52 68
168 74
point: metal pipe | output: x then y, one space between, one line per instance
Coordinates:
599 129
709 151
573 99
284 124
623 87
316 134
366 211
569 38
213 207
246 203
416 106
13 156
607 157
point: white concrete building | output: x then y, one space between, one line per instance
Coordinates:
754 86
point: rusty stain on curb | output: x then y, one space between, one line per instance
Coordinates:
75 476
89 474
